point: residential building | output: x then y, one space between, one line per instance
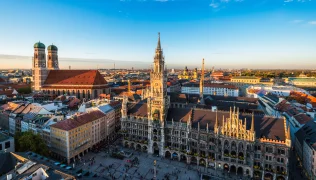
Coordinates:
110 112
16 117
245 80
72 138
173 86
117 106
32 120
6 143
18 166
305 148
5 111
211 89
268 103
303 81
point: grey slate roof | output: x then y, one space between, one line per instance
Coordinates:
268 127
307 133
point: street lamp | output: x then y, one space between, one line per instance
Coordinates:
155 173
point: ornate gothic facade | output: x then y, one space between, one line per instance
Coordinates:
246 144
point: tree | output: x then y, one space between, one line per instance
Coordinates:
28 141
25 90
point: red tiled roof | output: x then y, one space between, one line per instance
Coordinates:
77 121
74 87
115 104
75 77
2 80
138 109
8 93
14 86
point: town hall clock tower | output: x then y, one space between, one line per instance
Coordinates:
158 102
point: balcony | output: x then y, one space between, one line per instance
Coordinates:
240 162
281 172
257 167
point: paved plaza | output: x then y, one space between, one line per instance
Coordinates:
106 167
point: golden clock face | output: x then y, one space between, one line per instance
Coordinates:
156 84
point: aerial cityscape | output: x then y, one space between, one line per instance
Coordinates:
158 89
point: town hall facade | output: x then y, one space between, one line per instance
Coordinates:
250 145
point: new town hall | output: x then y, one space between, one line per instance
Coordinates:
250 145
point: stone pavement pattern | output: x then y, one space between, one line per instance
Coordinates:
175 169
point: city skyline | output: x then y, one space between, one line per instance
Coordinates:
227 33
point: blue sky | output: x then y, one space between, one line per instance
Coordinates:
227 33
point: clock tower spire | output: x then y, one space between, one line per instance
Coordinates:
158 83
158 101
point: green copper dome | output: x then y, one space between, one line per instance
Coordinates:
52 48
39 45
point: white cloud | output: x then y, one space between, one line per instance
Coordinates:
214 5
219 3
161 0
312 22
297 21
286 1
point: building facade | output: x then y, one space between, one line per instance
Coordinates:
211 89
245 80
6 143
72 138
303 81
246 144
305 148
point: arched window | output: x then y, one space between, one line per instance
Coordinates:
78 94
83 94
88 94
95 93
